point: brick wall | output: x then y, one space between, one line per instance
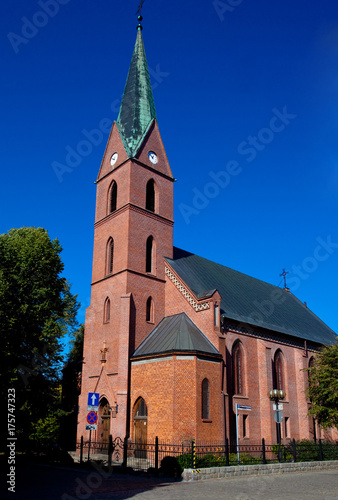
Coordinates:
172 391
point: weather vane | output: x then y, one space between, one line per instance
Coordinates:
284 273
139 10
139 17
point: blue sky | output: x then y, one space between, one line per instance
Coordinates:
247 103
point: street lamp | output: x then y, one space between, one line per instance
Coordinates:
276 395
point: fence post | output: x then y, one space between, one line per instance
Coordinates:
110 449
81 450
227 461
294 450
156 453
263 451
193 454
125 452
321 458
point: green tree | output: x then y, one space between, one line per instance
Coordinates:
323 387
36 310
71 388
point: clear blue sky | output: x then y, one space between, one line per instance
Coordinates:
222 78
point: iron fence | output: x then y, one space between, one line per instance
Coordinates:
145 456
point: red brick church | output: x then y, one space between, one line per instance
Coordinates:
174 341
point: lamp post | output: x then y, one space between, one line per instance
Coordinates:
276 395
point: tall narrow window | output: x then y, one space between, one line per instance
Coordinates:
238 369
110 256
150 310
150 196
205 399
149 255
279 371
245 426
113 197
216 315
106 312
286 427
313 428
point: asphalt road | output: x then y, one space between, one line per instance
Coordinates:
44 483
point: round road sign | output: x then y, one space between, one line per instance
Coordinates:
92 417
278 417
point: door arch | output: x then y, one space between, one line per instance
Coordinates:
140 428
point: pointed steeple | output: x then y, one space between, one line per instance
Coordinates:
137 109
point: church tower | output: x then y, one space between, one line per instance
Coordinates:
133 233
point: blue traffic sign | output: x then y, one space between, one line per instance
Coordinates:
243 407
93 398
92 417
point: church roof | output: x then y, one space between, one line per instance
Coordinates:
249 300
137 109
176 333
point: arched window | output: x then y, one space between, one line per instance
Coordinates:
106 311
205 399
150 195
110 256
150 310
150 251
140 409
313 425
311 365
279 371
112 198
238 368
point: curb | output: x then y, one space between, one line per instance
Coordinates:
254 470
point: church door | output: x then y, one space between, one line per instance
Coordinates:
104 421
140 428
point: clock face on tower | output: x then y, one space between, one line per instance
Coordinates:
113 159
152 157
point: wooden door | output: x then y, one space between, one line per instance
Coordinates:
140 429
105 424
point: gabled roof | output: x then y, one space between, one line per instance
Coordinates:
176 333
137 109
249 300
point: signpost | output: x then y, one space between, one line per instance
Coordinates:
239 407
93 405
93 401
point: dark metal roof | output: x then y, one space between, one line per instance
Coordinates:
175 333
137 109
249 300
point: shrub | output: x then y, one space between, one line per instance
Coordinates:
170 467
286 452
330 451
184 461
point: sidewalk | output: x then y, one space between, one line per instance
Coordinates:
34 482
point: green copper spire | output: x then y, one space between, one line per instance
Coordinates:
137 107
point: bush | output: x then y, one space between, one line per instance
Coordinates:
330 451
307 451
170 467
211 460
184 461
286 452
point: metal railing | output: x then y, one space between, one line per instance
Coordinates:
145 456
